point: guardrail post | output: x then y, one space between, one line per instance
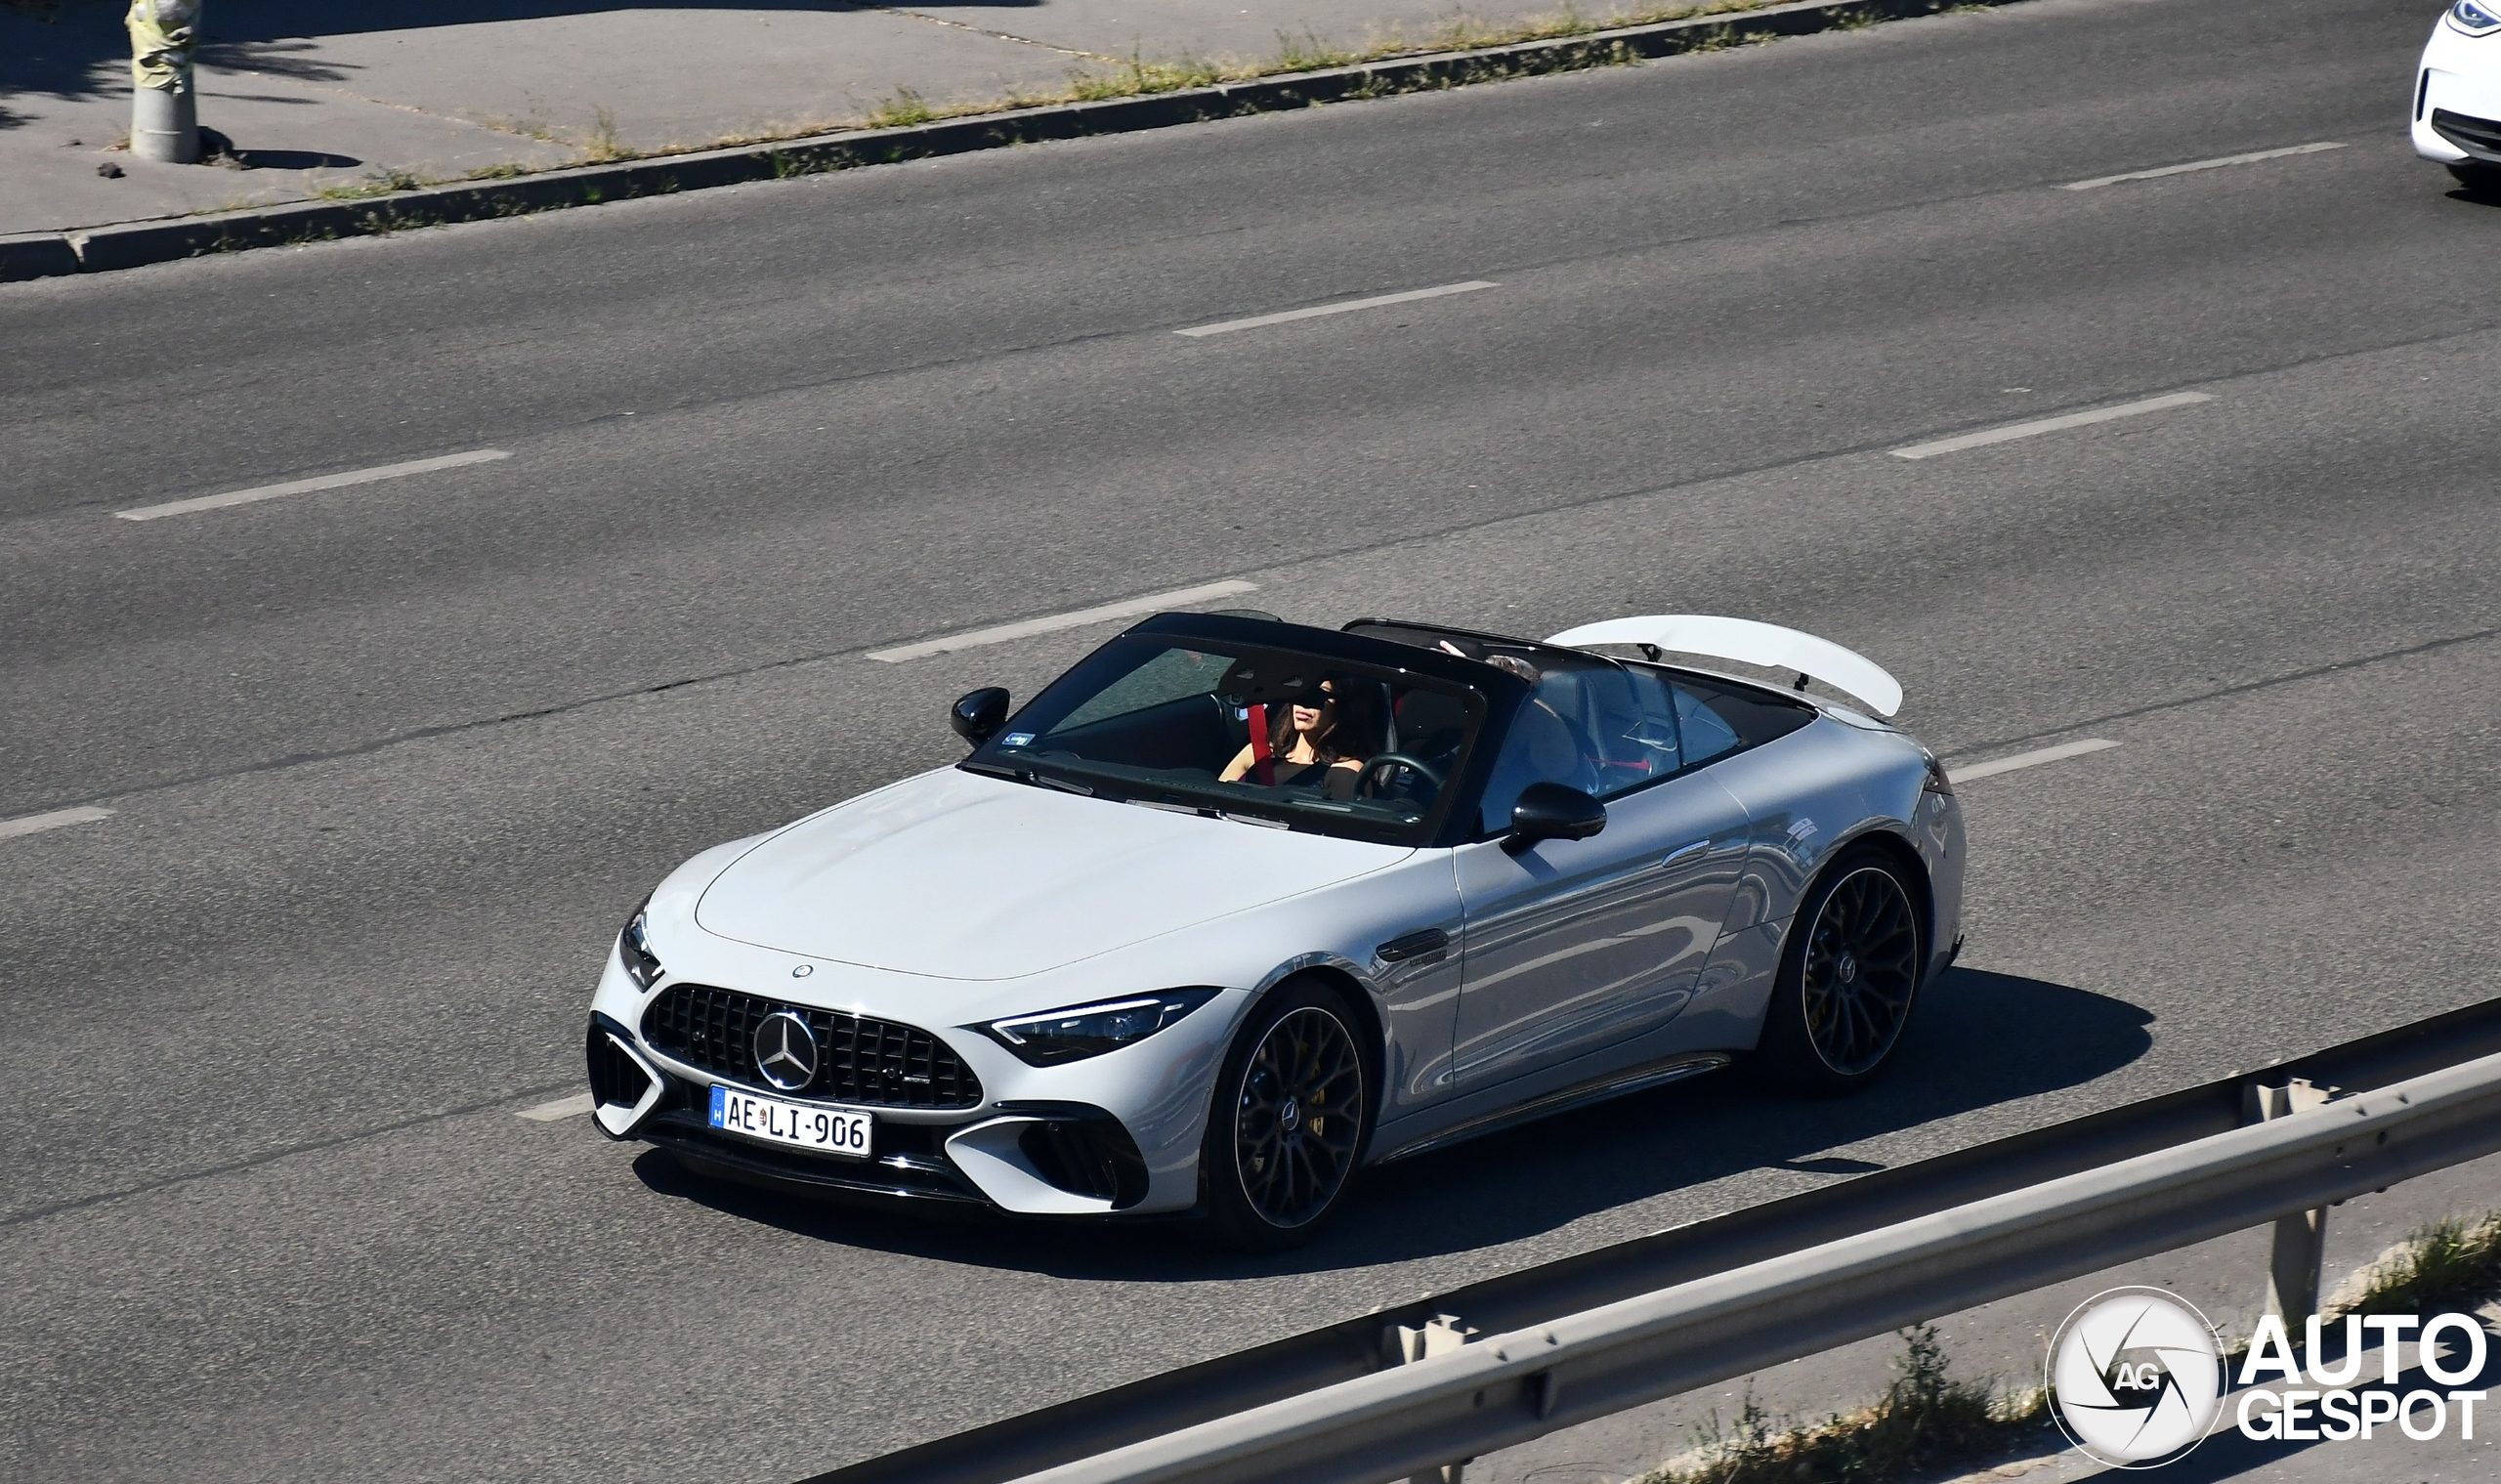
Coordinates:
2299 1253
1409 1344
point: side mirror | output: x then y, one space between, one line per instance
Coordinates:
1552 812
979 715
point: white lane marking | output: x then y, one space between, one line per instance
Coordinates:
1341 307
1002 633
2058 754
2050 424
36 823
2213 164
307 486
561 1109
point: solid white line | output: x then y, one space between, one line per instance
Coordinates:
1001 633
2058 754
2051 425
561 1108
2212 164
306 487
1343 306
36 823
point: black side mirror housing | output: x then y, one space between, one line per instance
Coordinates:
1552 812
979 715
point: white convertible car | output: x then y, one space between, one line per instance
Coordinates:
2457 94
1237 906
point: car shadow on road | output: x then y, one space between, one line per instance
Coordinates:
1979 1039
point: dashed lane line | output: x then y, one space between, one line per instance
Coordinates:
558 1111
2041 425
308 485
2033 759
2251 158
1341 307
1001 633
36 823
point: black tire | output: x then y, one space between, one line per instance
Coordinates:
1272 1170
2478 177
1850 975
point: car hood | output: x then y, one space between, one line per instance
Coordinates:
957 875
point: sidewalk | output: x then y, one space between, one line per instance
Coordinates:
324 96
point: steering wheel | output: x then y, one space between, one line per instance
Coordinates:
1365 787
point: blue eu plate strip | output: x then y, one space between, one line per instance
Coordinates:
720 1108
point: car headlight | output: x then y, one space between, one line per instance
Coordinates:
634 948
2476 18
1090 1029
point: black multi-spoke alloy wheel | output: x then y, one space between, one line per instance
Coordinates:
1293 1107
1849 975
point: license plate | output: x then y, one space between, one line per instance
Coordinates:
820 1131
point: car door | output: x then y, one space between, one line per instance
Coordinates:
1573 947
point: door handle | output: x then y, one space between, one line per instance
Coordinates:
1685 852
1427 946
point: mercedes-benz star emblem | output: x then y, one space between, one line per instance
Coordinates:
786 1052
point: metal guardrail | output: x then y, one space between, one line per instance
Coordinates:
1581 1338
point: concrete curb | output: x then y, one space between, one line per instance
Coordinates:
131 244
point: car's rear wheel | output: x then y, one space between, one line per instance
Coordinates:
1848 976
1292 1106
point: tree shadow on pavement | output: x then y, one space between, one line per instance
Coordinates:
1979 1039
78 49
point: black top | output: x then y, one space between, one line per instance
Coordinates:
1336 781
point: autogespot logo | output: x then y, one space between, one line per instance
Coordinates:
2138 1375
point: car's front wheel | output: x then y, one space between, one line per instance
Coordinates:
1847 976
1293 1107
2478 177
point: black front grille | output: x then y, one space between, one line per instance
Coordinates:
875 1063
2479 137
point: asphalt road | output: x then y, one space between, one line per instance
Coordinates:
387 763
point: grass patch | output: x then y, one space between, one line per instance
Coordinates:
2453 1264
1927 1419
603 145
901 110
385 181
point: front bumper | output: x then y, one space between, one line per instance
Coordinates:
1114 1135
2457 98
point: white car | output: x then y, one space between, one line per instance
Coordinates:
2457 94
1235 907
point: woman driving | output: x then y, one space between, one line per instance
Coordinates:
1310 746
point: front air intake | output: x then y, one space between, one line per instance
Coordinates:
2478 137
615 1080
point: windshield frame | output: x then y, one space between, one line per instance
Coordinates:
1489 694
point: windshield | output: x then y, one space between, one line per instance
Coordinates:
1263 735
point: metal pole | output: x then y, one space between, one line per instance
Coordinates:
2300 1253
165 107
